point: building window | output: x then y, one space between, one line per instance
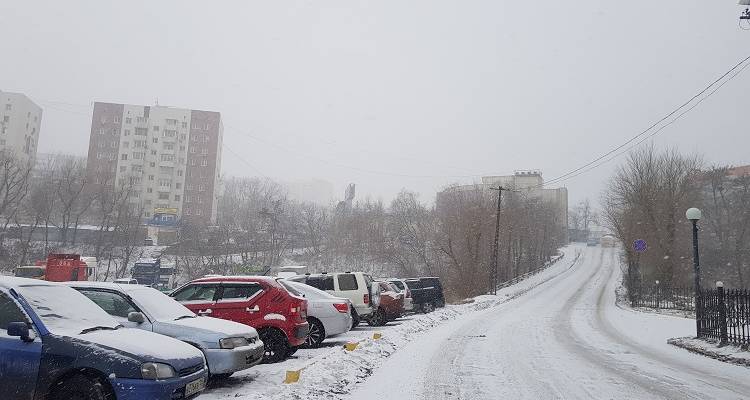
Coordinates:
177 197
163 196
124 157
179 172
139 155
127 132
141 131
113 145
171 122
155 140
139 144
156 128
199 212
184 124
167 157
128 120
102 144
178 185
8 107
101 131
153 152
117 120
201 188
151 177
193 163
123 168
165 183
204 162
149 190
170 133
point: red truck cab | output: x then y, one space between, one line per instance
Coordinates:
258 301
64 267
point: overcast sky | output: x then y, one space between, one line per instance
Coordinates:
392 94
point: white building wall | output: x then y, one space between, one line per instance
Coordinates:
20 122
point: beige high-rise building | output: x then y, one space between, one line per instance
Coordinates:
20 120
170 156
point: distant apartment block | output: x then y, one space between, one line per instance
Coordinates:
20 120
171 157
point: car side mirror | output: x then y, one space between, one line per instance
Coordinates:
21 330
136 317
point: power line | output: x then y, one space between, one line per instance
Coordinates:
584 168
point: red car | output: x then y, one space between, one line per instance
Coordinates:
258 301
391 305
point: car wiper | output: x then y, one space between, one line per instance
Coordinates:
185 316
100 328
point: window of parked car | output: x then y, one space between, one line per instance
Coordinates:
9 312
113 303
321 282
348 282
236 292
197 293
398 284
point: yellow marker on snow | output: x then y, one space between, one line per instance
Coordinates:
351 346
292 376
377 335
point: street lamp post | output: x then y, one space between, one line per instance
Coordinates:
694 215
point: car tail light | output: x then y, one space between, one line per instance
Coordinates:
341 307
366 299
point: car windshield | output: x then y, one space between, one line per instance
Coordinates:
158 305
65 311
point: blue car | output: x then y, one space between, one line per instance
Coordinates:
56 344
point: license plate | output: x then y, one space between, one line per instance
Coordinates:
195 387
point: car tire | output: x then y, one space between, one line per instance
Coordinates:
80 387
291 351
355 318
428 307
316 335
276 347
378 318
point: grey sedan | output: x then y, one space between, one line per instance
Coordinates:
228 346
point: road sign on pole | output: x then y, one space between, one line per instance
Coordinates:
640 246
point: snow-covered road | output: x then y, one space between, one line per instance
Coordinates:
565 339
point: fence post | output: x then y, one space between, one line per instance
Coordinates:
722 313
658 295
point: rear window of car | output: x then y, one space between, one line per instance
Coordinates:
348 282
113 303
414 284
398 284
289 286
196 293
239 291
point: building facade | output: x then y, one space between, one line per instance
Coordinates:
20 120
170 157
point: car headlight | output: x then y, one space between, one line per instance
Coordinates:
230 343
154 371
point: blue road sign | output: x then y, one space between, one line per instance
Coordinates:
640 246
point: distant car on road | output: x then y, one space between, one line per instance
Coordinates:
592 241
55 344
258 301
229 346
327 315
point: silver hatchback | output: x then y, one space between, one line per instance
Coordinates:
228 346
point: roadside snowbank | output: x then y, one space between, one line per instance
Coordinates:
710 348
333 372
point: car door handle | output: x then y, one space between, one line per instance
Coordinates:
205 312
252 310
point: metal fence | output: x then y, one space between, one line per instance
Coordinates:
664 297
723 315
522 277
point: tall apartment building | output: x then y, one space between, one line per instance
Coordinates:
20 120
170 156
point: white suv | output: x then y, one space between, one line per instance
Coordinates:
358 287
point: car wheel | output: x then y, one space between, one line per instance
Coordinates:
355 318
428 307
80 387
316 335
291 351
275 345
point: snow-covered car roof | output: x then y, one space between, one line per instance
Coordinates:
9 282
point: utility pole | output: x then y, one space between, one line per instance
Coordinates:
497 239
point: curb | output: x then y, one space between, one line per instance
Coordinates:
683 344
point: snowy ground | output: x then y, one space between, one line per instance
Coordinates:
332 373
565 339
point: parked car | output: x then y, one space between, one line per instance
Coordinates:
425 294
228 346
592 241
437 293
391 305
358 287
400 284
56 344
327 315
126 281
257 301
